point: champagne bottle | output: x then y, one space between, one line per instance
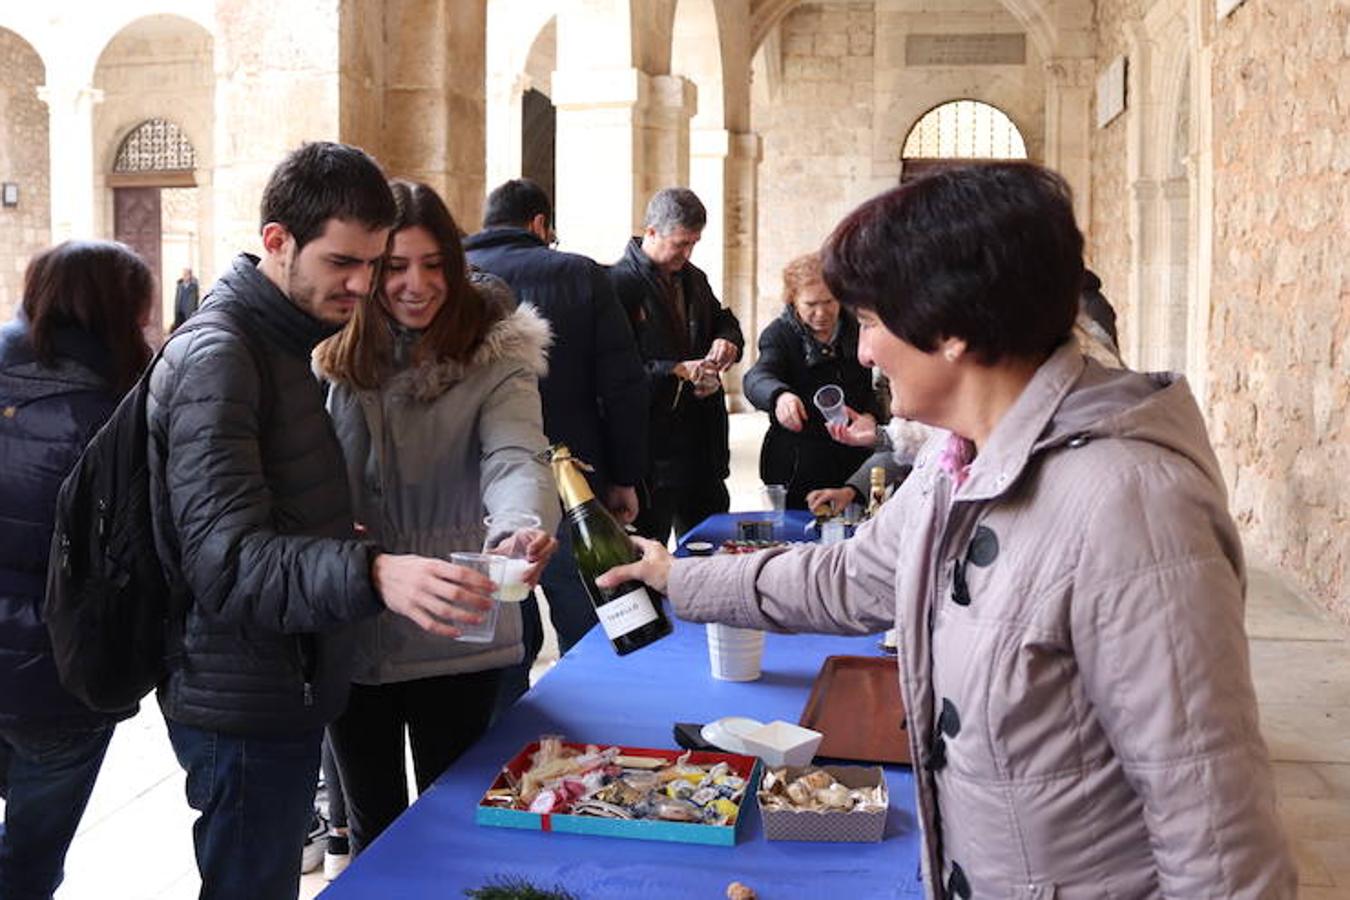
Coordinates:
631 616
876 493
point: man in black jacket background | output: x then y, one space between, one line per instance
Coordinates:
252 510
687 339
594 396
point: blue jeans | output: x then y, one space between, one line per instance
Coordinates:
256 799
46 776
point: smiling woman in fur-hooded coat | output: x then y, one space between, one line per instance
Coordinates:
435 400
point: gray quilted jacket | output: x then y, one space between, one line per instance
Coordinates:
1073 658
428 455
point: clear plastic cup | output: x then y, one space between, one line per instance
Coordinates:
830 401
505 539
491 565
734 654
775 501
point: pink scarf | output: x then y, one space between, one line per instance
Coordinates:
956 458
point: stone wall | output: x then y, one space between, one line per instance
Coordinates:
26 228
833 124
1109 246
816 128
1280 330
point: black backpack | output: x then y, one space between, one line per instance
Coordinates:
112 614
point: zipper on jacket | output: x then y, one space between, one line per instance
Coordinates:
305 661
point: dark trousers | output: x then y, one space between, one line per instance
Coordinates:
46 776
332 785
443 717
680 508
256 799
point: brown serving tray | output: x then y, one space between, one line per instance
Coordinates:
855 702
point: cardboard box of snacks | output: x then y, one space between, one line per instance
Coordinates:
866 824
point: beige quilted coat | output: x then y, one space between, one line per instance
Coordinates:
1072 649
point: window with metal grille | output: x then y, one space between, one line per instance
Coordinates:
155 145
964 129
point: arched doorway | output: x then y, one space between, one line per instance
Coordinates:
155 204
538 117
959 132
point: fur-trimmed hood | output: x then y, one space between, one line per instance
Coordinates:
522 335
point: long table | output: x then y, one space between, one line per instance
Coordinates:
435 849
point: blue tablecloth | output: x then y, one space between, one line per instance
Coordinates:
723 526
435 849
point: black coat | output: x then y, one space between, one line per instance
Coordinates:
594 395
251 503
792 360
687 435
47 415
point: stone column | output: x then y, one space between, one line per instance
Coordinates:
1068 127
276 87
724 173
71 107
435 100
622 134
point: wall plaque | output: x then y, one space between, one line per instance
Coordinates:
1111 92
965 49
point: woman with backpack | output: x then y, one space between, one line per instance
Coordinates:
435 399
74 349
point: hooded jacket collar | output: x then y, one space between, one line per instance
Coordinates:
278 318
1072 399
502 236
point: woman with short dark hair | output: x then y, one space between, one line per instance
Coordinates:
65 361
812 343
1061 568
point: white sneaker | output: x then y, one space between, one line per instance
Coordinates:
336 855
312 855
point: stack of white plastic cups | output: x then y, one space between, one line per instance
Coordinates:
735 653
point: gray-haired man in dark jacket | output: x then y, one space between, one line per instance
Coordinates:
251 508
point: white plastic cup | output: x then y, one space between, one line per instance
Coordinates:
734 654
491 565
830 401
504 539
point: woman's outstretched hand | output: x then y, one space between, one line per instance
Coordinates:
652 570
861 430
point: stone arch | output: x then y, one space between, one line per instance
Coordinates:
1032 15
157 83
25 226
697 53
538 116
1168 312
522 55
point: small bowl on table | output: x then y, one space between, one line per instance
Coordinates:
781 743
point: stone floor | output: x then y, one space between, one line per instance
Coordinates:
135 840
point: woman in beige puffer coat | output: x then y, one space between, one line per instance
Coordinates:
1062 570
